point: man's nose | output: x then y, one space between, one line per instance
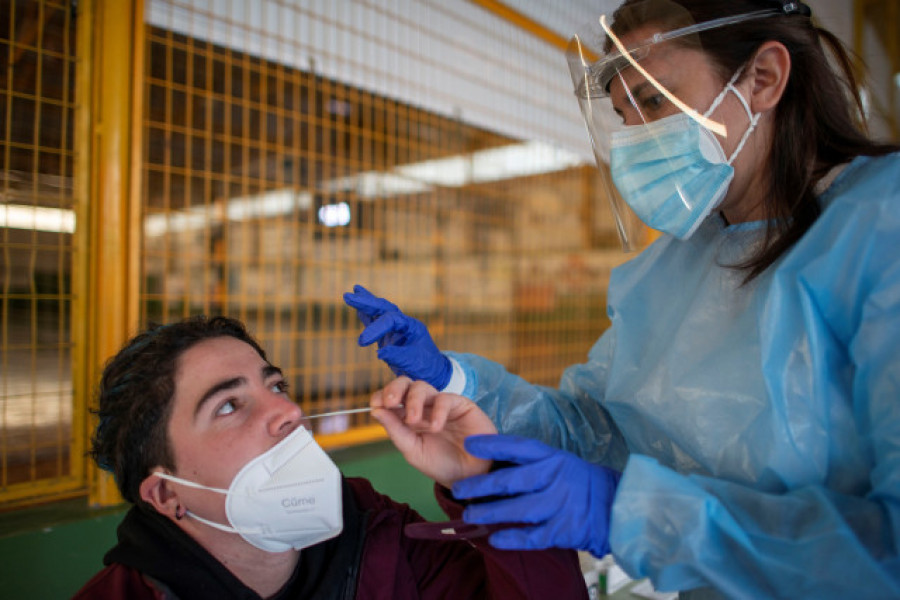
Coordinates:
285 415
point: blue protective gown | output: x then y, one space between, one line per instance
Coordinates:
758 426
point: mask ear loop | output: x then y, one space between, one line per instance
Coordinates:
188 483
189 513
754 118
721 97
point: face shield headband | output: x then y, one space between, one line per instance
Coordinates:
599 72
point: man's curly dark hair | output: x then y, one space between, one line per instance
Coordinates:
135 394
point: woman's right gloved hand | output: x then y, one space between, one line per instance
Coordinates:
403 342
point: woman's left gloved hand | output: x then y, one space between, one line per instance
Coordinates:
403 341
562 500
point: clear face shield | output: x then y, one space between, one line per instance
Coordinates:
653 128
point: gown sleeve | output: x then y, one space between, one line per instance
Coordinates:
570 417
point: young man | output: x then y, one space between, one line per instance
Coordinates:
234 499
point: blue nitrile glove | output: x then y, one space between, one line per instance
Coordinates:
403 342
564 500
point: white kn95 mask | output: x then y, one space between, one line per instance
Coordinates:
288 497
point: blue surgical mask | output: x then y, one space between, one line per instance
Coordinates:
673 172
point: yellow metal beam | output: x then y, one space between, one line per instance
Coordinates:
111 304
523 22
352 437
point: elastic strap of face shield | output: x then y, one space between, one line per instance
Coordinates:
795 8
595 84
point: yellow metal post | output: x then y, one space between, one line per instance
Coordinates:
881 16
81 236
892 42
859 21
110 306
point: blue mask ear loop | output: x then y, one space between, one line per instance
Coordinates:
754 118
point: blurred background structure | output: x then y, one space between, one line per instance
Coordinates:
256 158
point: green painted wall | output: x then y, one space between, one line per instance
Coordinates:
50 551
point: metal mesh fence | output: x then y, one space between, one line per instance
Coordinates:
285 152
271 187
37 50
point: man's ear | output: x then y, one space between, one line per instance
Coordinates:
155 492
768 72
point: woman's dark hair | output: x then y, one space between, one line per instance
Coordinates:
135 398
819 117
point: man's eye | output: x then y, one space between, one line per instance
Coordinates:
280 387
227 408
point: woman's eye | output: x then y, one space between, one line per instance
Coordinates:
227 408
653 102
